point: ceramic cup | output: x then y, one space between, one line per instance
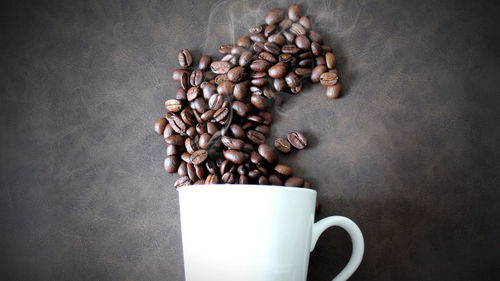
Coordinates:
255 233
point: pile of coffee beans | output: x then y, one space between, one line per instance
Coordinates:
217 124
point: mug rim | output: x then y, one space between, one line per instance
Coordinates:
260 186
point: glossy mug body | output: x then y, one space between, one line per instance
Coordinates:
254 233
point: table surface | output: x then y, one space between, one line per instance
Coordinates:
409 152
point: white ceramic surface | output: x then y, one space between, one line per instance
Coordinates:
254 233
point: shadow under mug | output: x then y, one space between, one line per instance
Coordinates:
255 233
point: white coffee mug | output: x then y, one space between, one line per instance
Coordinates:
254 233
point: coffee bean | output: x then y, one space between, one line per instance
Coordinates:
177 74
328 79
199 182
225 49
289 36
236 74
269 30
292 80
232 143
279 84
225 88
176 123
220 67
333 92
259 102
263 129
256 136
182 170
267 153
278 70
171 150
303 72
274 16
320 60
297 89
182 181
243 180
254 174
282 145
237 51
185 81
186 157
297 139
200 172
235 156
175 140
180 94
263 180
190 145
317 72
240 91
277 38
215 101
171 164
237 131
173 105
191 132
229 178
258 38
272 48
302 42
258 47
294 12
330 60
191 171
294 182
297 29
212 179
259 65
196 77
221 114
184 58
245 58
255 158
212 128
283 169
259 82
193 93
290 49
316 48
267 56
240 108
244 42
305 22
306 63
160 125
199 156
205 62
256 29
188 117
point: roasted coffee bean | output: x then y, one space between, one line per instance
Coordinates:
263 170
171 164
263 129
200 171
185 81
188 117
220 78
305 55
211 166
317 72
297 29
196 77
182 181
278 70
263 180
274 16
269 30
212 179
268 93
258 47
254 174
228 58
303 72
260 74
256 158
245 58
279 84
204 140
297 89
225 88
275 179
277 39
256 29
205 62
283 169
285 58
302 42
316 48
180 94
182 170
282 145
177 74
289 36
225 49
306 63
258 101
292 80
193 93
190 145
267 56
172 150
208 89
221 114
173 105
215 101
236 74
294 12
225 166
259 82
207 115
237 51
235 156
240 91
256 136
328 79
240 108
229 178
176 123
232 143
290 49
242 170
320 60
175 140
297 139
199 156
255 118
237 131
243 180
244 42
285 24
186 157
201 128
258 38
267 153
184 58
220 67
294 182
305 22
160 125
331 61
191 132
212 128
267 116
199 182
191 171
259 65
272 48
333 92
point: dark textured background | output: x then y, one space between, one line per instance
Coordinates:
409 153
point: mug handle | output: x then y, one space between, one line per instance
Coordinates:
358 243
